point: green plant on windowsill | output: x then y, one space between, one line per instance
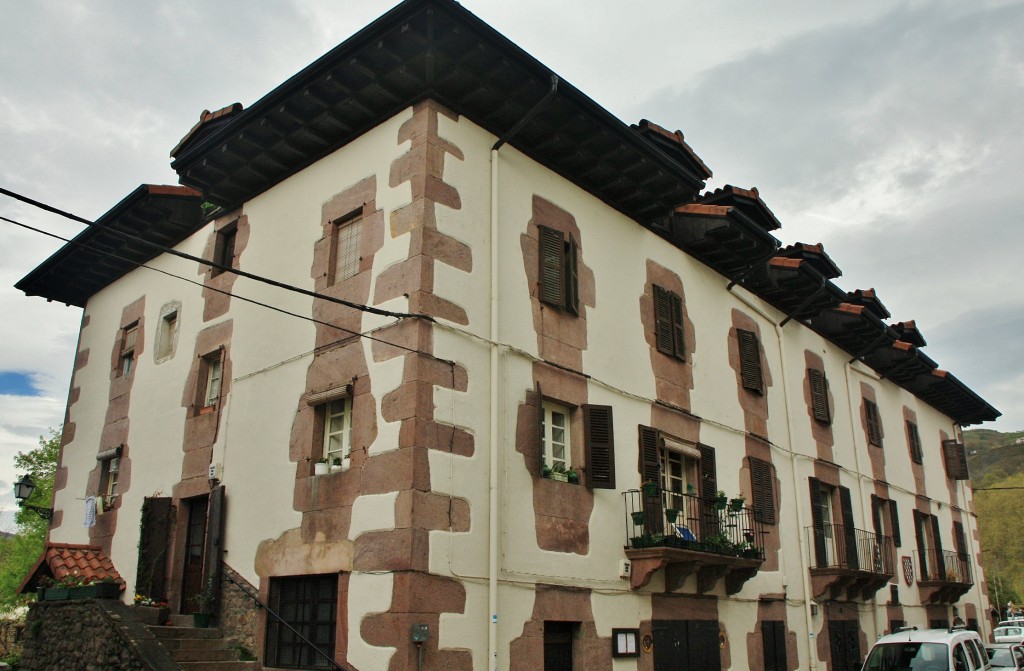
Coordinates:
736 504
572 476
559 473
721 500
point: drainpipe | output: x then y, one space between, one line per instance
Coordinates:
805 572
495 416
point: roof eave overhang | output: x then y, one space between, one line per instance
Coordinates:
434 49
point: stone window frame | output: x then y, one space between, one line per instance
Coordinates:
558 275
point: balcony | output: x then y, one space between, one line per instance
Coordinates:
944 576
687 535
848 562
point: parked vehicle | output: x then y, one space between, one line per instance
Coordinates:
1006 655
1008 634
909 649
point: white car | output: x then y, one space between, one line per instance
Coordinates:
1008 634
911 649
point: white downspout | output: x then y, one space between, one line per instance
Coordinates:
492 540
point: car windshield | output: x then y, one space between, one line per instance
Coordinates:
1000 657
908 656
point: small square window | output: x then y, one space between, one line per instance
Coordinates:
126 361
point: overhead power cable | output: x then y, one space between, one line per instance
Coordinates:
213 264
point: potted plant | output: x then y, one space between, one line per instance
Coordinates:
150 611
721 500
545 471
671 514
204 601
690 489
638 517
335 464
320 467
736 504
650 488
559 473
572 476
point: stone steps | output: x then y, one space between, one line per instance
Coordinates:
195 649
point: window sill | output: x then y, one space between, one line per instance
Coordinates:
206 409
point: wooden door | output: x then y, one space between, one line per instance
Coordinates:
195 552
844 641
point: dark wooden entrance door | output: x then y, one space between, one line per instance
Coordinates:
686 644
195 546
844 641
558 646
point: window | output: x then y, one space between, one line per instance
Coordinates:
555 432
929 546
914 442
167 334
955 456
108 479
762 486
835 545
309 604
126 361
559 281
558 643
338 431
668 323
773 638
680 466
224 248
346 249
688 479
750 361
885 518
874 422
819 395
212 369
894 599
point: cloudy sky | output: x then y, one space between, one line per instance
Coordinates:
889 131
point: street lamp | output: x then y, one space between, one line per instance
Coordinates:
23 491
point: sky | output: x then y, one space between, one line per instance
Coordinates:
889 131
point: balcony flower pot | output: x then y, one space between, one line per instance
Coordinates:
736 505
55 594
321 467
99 590
560 476
721 500
572 476
336 465
671 514
649 488
152 615
200 620
638 517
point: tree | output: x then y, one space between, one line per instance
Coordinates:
18 553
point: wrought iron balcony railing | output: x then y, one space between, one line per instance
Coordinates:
936 565
836 546
657 517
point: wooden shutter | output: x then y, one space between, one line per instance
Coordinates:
939 559
678 334
540 429
895 517
572 279
761 482
600 446
650 471
750 361
708 490
157 526
922 551
773 638
214 541
914 438
662 321
955 457
960 539
876 515
552 278
818 522
849 531
874 423
819 395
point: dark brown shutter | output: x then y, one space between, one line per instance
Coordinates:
540 429
849 531
678 339
915 443
773 637
552 279
650 471
874 423
895 518
662 321
157 526
955 457
708 490
876 515
960 539
214 542
572 279
750 361
600 446
922 551
819 395
764 493
818 522
939 559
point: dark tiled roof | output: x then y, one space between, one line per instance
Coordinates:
208 121
748 200
674 145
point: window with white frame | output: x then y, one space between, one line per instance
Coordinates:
111 469
555 426
214 370
680 467
338 431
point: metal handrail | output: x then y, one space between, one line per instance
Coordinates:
944 566
270 611
839 546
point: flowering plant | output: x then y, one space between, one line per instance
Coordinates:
73 580
143 600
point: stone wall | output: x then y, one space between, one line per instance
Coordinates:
87 635
239 616
11 633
